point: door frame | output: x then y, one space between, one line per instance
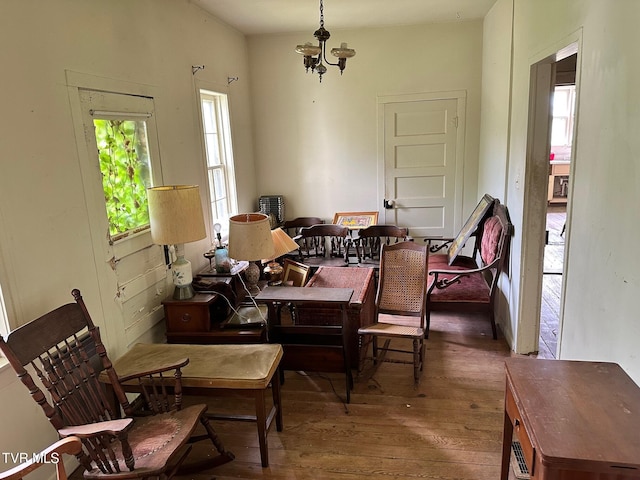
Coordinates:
115 335
542 83
461 97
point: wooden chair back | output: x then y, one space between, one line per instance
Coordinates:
323 244
371 239
402 285
292 227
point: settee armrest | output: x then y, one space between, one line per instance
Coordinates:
456 275
443 243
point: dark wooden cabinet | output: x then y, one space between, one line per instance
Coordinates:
204 319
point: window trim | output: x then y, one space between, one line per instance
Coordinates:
209 89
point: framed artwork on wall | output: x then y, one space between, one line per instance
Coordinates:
355 220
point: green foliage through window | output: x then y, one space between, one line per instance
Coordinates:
126 173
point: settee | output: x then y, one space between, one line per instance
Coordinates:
459 283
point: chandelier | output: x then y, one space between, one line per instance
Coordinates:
314 56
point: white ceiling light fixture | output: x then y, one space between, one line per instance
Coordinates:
315 55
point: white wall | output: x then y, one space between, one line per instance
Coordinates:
602 271
316 144
45 240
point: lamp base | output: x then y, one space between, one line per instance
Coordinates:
252 274
183 292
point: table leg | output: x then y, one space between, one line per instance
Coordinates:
261 420
277 399
507 436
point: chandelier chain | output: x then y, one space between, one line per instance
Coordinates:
321 14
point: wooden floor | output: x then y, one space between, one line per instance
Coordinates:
552 282
450 427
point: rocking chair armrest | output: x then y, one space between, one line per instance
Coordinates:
164 368
68 446
109 427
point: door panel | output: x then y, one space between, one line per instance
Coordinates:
133 278
422 175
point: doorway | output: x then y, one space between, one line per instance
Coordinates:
540 200
563 119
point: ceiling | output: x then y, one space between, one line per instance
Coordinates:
254 17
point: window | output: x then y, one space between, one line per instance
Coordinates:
219 156
564 98
123 154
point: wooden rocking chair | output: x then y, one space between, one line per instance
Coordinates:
64 349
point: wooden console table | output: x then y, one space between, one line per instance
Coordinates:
574 420
316 348
216 369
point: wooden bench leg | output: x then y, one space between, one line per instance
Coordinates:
261 420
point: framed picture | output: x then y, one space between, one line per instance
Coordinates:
470 226
295 272
356 220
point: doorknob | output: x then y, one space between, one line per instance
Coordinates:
388 204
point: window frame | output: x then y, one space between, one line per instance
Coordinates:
222 119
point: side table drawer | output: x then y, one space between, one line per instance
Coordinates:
520 430
187 318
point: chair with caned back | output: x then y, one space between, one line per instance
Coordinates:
400 304
64 350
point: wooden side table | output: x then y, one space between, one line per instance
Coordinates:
574 420
199 320
317 348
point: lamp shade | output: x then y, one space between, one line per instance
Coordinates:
250 237
282 244
175 214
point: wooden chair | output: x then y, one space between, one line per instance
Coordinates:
400 303
470 283
323 244
293 227
370 241
64 349
51 455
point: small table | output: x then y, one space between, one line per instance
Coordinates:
218 369
573 419
320 348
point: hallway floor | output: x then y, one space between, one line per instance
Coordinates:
552 282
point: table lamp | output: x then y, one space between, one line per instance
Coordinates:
282 244
250 239
175 215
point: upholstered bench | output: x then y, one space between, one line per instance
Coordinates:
459 283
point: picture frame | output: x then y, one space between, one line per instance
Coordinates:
294 272
470 226
355 220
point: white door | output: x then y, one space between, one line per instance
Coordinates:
131 269
422 143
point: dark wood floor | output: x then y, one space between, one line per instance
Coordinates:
450 427
552 282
